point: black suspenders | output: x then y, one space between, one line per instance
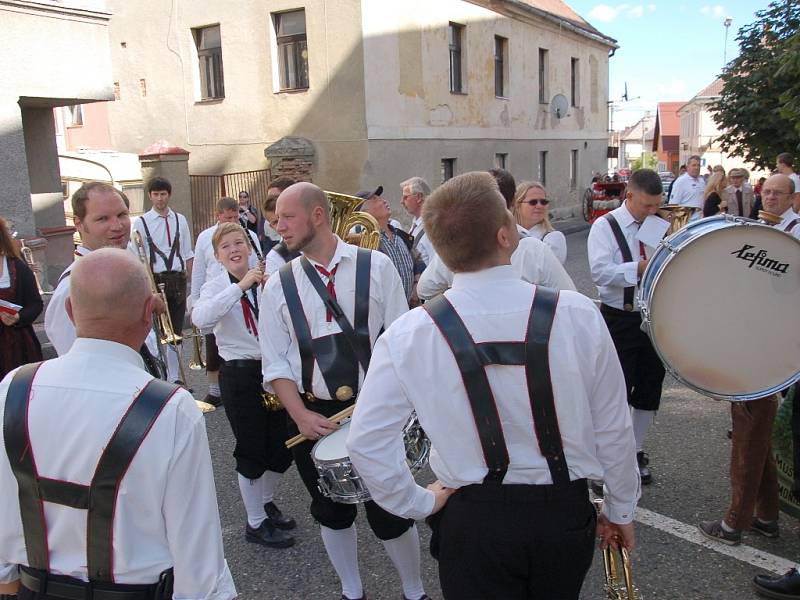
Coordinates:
627 293
471 359
176 242
356 336
99 498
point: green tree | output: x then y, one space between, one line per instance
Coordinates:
650 161
758 110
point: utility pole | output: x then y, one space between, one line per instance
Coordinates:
727 23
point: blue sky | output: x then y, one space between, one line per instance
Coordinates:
668 51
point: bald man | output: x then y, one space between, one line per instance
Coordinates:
138 456
316 361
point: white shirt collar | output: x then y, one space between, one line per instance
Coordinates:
107 349
343 250
82 250
418 221
152 212
624 216
483 277
789 214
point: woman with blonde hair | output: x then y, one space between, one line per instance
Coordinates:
713 203
22 304
531 212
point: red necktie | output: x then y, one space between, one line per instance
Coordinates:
642 253
169 238
249 321
331 290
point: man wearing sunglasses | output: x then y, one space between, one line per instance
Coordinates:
248 216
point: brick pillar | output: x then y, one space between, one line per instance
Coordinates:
292 157
171 162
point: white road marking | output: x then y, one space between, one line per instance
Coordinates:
690 533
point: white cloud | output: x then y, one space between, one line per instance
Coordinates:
607 13
715 11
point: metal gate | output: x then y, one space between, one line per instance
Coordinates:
207 189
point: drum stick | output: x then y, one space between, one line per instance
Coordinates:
300 438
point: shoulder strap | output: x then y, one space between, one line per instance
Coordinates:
153 248
627 292
792 225
111 468
300 324
540 386
476 384
333 306
361 309
176 245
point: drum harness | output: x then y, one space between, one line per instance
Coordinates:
627 293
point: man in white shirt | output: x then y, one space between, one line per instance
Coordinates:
138 456
415 190
515 433
168 246
229 305
739 194
315 365
777 194
617 260
689 188
206 267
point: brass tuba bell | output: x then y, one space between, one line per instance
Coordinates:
678 216
344 217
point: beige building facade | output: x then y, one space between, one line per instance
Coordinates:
369 92
53 53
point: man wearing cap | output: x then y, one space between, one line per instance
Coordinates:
395 243
739 194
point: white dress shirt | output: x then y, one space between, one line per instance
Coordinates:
206 266
154 528
796 179
273 262
158 230
688 191
609 273
533 261
5 278
786 219
424 245
556 240
413 368
523 233
281 356
219 307
59 327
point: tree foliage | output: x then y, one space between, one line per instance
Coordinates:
648 161
759 108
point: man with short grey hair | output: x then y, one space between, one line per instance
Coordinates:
689 188
415 190
739 194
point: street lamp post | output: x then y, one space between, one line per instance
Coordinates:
727 23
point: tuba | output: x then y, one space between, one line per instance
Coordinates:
345 217
677 215
618 571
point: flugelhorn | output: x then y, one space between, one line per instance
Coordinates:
618 571
196 363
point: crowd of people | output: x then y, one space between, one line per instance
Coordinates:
296 330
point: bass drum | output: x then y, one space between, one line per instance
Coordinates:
719 301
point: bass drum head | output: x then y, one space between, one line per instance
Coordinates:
332 446
723 311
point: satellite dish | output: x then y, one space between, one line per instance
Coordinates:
559 106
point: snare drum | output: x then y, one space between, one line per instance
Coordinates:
719 301
338 479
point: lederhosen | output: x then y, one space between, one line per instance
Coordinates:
174 281
260 433
98 498
641 365
494 534
338 357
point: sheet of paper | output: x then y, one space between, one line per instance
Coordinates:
9 307
652 231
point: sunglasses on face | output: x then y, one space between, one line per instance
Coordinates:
543 202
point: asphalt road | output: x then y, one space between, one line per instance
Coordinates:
689 456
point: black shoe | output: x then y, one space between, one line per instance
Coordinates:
268 535
786 587
213 400
423 597
276 517
597 487
644 473
766 528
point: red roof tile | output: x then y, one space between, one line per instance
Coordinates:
713 89
669 123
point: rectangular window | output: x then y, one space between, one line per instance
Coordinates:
455 39
208 42
290 32
543 75
448 168
500 160
573 169
500 66
543 167
575 87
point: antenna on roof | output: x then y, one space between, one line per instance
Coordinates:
625 97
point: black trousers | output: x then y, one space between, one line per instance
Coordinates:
175 291
260 433
325 511
643 369
213 361
516 542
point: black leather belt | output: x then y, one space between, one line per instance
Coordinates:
69 588
243 363
605 308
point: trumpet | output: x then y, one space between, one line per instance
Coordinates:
618 571
196 363
677 215
163 322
